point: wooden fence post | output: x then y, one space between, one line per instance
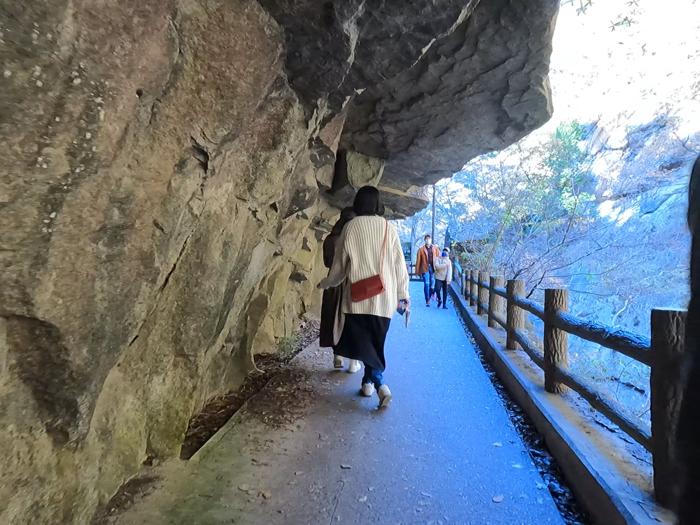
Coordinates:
495 301
464 282
556 341
667 345
515 317
475 288
482 305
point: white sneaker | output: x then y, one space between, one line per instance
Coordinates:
354 366
367 390
337 361
384 396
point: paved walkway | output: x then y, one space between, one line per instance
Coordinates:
308 449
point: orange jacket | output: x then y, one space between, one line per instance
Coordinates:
422 258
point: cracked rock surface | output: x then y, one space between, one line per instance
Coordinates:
478 88
171 169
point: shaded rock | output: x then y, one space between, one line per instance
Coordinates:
298 276
332 46
352 171
479 87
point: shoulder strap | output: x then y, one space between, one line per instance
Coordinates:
381 257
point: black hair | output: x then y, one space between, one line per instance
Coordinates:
368 202
346 215
426 236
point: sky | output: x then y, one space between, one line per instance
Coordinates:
625 75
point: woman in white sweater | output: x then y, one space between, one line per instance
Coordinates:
367 242
443 276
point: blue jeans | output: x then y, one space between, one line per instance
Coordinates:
372 375
428 283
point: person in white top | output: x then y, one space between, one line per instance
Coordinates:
368 246
443 276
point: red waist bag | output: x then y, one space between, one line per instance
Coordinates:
371 286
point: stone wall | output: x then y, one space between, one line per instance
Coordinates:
170 171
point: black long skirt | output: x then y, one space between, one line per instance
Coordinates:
363 339
330 306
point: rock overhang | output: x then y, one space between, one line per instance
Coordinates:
422 86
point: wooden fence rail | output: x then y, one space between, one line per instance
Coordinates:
630 344
661 352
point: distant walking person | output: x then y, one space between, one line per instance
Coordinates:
425 266
370 260
332 317
443 276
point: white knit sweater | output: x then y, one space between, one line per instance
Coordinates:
357 256
443 268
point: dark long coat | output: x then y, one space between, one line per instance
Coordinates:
330 305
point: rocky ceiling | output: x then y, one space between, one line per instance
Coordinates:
479 87
425 86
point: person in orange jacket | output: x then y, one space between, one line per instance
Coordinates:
425 266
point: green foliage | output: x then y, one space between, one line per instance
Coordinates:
568 177
540 198
288 345
563 151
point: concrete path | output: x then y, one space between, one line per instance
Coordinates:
308 449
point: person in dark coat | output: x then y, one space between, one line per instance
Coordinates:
332 317
688 438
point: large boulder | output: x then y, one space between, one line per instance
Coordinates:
477 88
171 169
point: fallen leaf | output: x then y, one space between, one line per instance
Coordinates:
517 465
345 467
498 499
243 488
426 494
265 494
498 444
362 499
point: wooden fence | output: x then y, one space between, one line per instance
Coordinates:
505 306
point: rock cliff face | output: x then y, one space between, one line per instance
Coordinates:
170 169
